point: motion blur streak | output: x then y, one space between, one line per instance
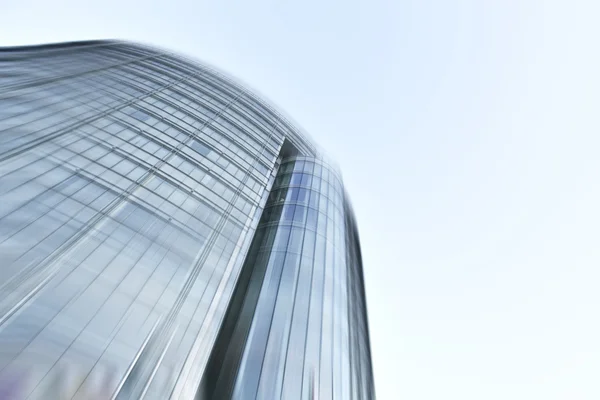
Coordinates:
165 233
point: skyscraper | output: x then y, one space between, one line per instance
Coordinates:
166 233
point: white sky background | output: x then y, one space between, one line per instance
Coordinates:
468 135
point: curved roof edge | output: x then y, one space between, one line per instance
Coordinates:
301 139
57 45
301 135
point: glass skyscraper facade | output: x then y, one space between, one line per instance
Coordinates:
167 234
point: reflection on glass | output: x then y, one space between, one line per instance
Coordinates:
165 233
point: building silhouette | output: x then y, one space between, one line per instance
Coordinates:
166 233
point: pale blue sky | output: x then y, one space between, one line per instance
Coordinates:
468 135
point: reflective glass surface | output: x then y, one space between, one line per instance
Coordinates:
291 332
133 263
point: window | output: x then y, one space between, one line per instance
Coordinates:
288 213
261 168
201 148
296 179
140 115
300 214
